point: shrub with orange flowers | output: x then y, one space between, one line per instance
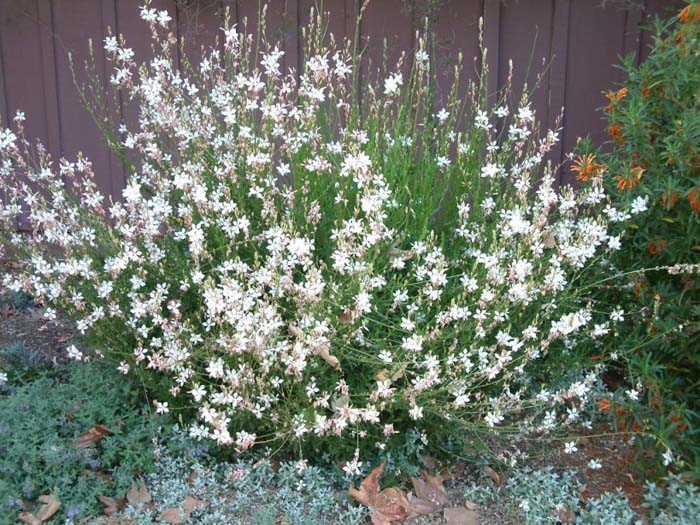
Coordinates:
653 165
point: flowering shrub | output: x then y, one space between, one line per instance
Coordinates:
654 168
289 267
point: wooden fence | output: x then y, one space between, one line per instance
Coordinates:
581 41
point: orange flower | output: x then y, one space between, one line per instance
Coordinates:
615 132
614 97
675 418
669 200
630 181
694 199
604 405
656 247
690 13
585 167
646 92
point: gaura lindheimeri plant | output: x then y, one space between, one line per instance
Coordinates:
289 267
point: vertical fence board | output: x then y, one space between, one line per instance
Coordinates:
525 40
492 41
198 27
580 40
109 25
561 19
457 31
75 24
395 31
4 114
594 46
24 72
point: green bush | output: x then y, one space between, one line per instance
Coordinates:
39 424
653 166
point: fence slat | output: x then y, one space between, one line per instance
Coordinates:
557 73
581 39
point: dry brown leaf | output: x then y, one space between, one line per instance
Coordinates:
493 475
92 436
177 515
566 515
387 506
138 494
103 476
431 495
382 375
174 515
429 462
111 505
192 477
192 503
460 516
49 507
390 505
324 352
471 505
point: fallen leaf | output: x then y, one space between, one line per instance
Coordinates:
192 477
471 505
431 495
192 503
324 352
92 436
49 507
493 475
566 515
111 505
103 476
63 338
177 515
174 515
387 505
138 494
429 462
460 516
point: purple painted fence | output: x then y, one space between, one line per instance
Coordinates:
580 39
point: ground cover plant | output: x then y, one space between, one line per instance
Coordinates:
653 165
297 268
74 434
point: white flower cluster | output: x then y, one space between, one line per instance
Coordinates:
268 260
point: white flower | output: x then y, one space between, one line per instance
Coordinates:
3 378
617 315
392 84
198 392
416 412
111 45
161 408
163 18
353 468
639 205
633 394
493 418
667 457
595 464
570 447
123 367
74 353
442 115
525 114
501 112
